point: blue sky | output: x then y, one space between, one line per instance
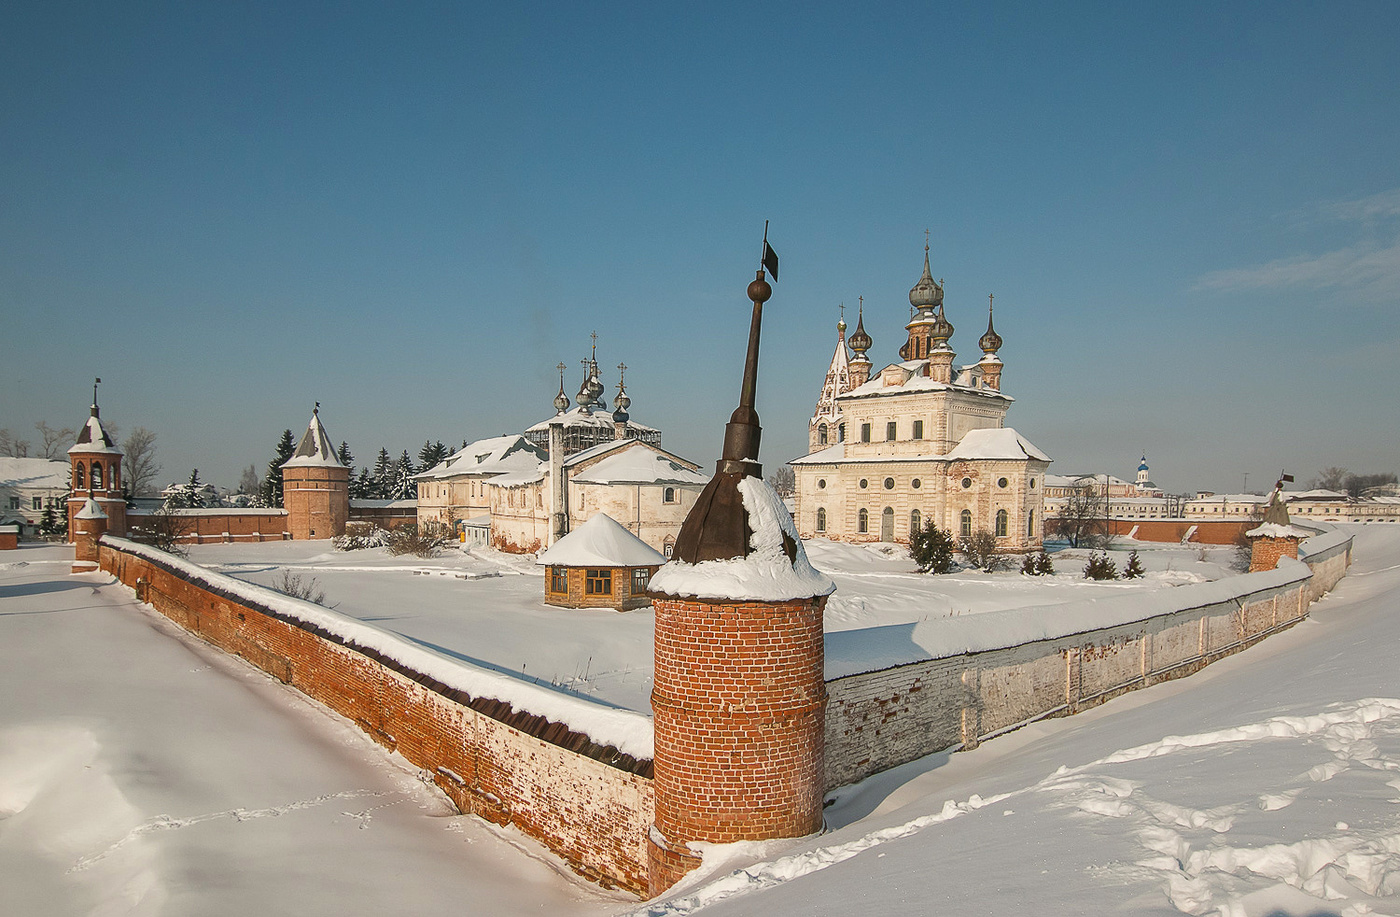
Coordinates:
1189 214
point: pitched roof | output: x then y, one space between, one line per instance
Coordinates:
33 472
996 443
640 464
496 455
601 542
315 449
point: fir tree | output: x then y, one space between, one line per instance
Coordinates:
431 454
272 481
362 487
402 485
188 495
1043 567
1134 568
1100 567
932 549
383 475
345 457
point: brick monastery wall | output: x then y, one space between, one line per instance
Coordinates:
880 719
226 525
504 765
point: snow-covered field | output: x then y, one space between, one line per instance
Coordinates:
143 773
487 608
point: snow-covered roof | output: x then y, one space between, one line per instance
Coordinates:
1318 494
996 443
93 438
830 454
90 510
576 418
1072 480
519 478
409 503
641 464
496 455
33 472
916 381
1274 530
766 574
601 542
315 449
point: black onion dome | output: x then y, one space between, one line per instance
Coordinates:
991 341
926 293
860 341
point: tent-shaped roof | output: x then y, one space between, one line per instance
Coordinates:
315 449
601 542
996 443
93 438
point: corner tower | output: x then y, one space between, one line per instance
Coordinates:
739 696
96 468
315 486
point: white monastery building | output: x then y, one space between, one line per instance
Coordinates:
918 441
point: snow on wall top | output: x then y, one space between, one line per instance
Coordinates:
996 443
315 449
33 472
496 455
872 649
628 731
1274 530
639 465
601 542
93 438
765 575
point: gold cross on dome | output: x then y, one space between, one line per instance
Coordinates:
621 373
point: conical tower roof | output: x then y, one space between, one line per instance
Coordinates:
315 449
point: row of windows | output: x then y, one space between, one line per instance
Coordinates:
891 432
916 483
597 582
1003 521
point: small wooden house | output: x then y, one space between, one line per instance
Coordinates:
599 565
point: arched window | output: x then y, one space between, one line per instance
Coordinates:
821 520
965 525
116 475
916 521
862 522
668 546
841 433
79 478
668 495
1030 524
887 524
96 473
1001 523
821 435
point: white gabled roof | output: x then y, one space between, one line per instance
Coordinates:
496 455
315 449
996 443
834 453
642 464
92 438
601 542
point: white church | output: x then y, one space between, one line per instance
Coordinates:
918 440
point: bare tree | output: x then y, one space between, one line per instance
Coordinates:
1083 517
1331 478
139 462
164 529
1357 485
783 480
13 446
54 443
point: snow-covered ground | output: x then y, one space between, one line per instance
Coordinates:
1267 784
143 773
487 608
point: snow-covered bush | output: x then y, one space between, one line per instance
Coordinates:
980 549
360 535
1037 564
306 589
1100 567
420 541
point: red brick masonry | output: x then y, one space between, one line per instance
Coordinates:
591 805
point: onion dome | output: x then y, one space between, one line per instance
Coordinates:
585 392
926 293
860 341
991 341
561 400
940 329
622 402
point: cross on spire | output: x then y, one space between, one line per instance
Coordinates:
621 374
925 240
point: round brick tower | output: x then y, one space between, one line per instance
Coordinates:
315 486
96 468
87 528
739 696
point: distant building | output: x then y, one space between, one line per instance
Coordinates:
599 565
918 441
29 486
